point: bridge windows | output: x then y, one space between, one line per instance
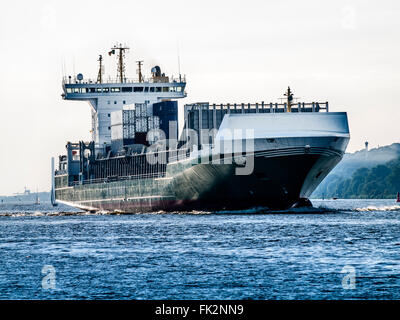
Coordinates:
126 89
173 89
155 89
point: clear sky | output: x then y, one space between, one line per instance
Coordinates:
344 52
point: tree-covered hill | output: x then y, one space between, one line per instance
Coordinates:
364 174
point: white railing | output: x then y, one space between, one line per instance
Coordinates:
298 106
120 178
74 80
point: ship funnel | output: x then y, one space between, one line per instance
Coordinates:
156 71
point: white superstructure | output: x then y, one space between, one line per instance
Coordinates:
110 95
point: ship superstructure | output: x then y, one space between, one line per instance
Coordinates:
113 94
235 155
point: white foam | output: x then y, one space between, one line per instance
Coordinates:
268 210
375 208
37 214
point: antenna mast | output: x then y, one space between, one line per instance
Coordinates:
140 63
289 95
99 76
121 56
179 63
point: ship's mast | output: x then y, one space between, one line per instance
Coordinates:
99 76
289 95
140 63
121 56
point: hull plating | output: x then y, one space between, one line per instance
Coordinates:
279 180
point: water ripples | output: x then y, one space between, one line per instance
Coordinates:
255 254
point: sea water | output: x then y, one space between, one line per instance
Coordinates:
340 249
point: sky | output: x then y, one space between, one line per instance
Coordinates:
344 52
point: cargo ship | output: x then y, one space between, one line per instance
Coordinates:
228 156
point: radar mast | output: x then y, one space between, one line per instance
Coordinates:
121 56
140 63
289 95
100 74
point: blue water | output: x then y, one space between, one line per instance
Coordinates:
200 255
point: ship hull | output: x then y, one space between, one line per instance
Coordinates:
276 182
257 160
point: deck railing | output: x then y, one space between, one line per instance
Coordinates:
122 178
156 171
272 107
74 80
